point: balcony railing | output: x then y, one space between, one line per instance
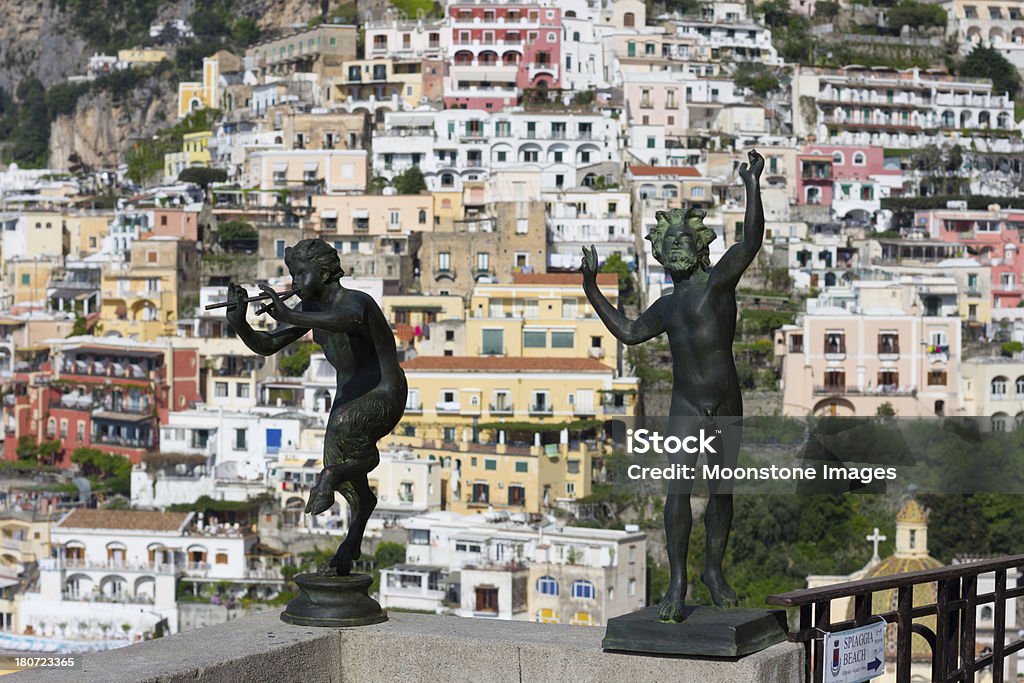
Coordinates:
541 410
953 641
881 390
504 409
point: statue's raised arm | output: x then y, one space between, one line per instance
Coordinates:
738 258
648 325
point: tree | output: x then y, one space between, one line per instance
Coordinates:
32 134
80 327
295 363
616 264
202 176
235 230
410 181
885 410
826 9
108 471
986 62
756 77
917 15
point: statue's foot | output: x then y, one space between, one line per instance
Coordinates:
672 607
342 560
722 593
321 497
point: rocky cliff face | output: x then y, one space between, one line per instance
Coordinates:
101 130
35 39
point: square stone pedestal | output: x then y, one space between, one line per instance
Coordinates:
706 632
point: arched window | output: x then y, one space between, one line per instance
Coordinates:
547 585
1000 422
999 387
583 589
628 19
1019 386
447 180
423 216
986 613
575 36
859 159
838 158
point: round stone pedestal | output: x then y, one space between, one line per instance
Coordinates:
333 601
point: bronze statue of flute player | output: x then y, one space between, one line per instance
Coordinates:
370 400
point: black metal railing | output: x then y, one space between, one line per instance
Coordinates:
954 657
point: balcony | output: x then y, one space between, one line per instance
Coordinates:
414 409
883 390
448 407
540 409
613 410
503 409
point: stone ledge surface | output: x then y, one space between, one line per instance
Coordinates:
409 647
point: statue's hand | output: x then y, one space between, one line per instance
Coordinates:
588 266
754 170
276 308
236 314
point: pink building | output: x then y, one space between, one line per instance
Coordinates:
859 179
498 50
179 223
881 342
991 237
814 179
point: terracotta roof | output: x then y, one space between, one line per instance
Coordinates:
498 364
135 520
561 278
688 171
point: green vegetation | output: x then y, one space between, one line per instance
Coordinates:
1011 347
146 157
916 15
107 472
235 230
976 525
29 450
203 176
347 14
217 26
616 264
986 62
110 25
410 181
790 31
295 363
758 322
756 77
413 8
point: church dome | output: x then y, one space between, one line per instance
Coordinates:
911 555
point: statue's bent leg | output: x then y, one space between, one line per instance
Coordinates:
678 522
362 503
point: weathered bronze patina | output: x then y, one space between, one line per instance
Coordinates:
370 399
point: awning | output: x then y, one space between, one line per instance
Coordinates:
361 213
310 165
329 213
63 293
281 167
121 417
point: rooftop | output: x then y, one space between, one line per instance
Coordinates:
133 520
498 364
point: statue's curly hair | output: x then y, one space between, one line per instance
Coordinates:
316 250
666 219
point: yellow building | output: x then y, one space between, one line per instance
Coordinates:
140 297
86 233
427 319
24 540
380 79
28 279
540 315
194 152
146 55
511 433
206 94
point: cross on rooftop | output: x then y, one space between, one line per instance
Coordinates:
875 538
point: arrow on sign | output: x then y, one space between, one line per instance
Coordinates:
873 666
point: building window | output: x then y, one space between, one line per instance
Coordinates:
562 340
535 340
547 616
242 390
444 261
999 388
522 466
240 439
279 247
888 342
220 389
483 261
221 558
422 217
631 592
490 464
547 585
584 589
937 377
796 343
835 342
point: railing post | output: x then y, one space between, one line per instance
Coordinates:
806 623
999 628
905 602
822 621
969 592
